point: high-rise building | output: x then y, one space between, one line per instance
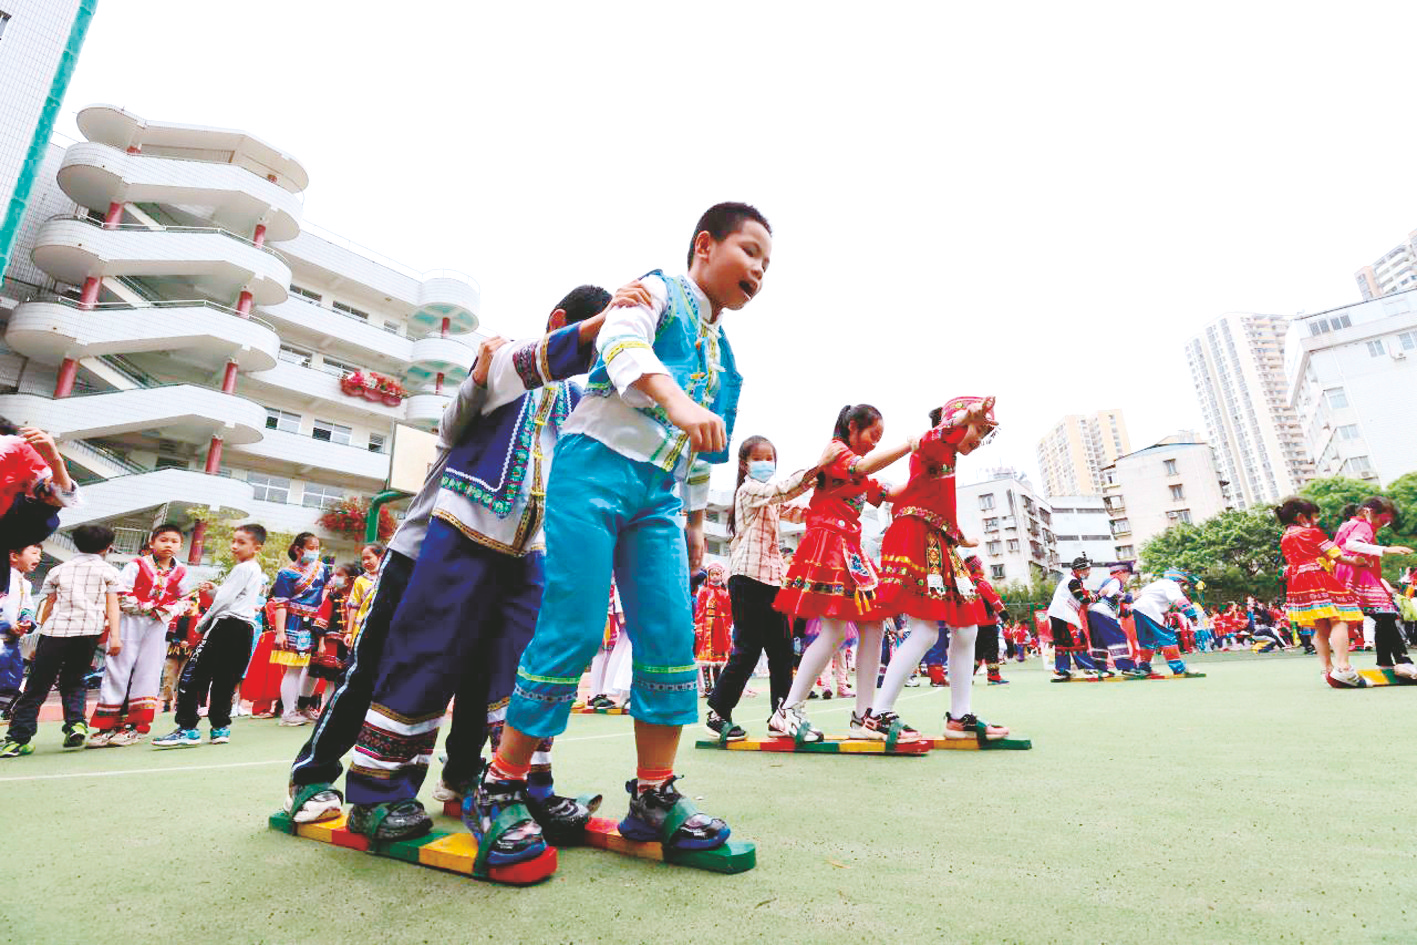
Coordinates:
1237 364
1353 385
39 44
1013 524
1395 271
1173 482
189 341
1072 455
1083 528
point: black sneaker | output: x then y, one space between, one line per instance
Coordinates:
716 724
649 811
518 843
390 822
563 819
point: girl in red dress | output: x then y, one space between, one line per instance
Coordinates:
925 578
1315 598
713 627
1358 536
830 576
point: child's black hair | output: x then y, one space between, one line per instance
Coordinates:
163 529
257 532
722 220
863 415
350 571
937 415
378 548
91 539
297 547
7 428
745 449
582 302
1378 505
1290 509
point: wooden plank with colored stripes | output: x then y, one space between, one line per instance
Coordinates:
735 856
972 744
1384 677
830 746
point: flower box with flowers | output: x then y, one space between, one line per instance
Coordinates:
371 386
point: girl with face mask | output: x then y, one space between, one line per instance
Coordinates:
291 611
755 576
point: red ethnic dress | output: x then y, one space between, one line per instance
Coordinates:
922 574
713 624
1314 594
830 576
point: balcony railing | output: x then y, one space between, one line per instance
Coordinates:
143 228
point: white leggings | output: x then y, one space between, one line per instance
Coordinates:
923 634
296 682
825 646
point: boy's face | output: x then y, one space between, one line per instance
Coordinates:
26 559
731 270
243 546
166 545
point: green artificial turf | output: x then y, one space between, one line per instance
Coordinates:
1256 804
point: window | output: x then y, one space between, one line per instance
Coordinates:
996 547
1178 492
1121 527
1376 349
1337 399
321 497
712 516
310 294
1179 516
336 368
171 462
996 572
391 327
294 356
1349 431
1013 545
1125 552
1170 465
331 432
1359 466
1408 340
991 524
986 502
351 311
376 442
281 420
269 488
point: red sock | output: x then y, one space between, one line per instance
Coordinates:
651 778
503 770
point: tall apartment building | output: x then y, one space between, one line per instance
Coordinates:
39 44
1013 524
1395 271
1082 527
1072 455
1172 482
1237 365
1353 386
190 343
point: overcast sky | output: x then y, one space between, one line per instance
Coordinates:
1039 201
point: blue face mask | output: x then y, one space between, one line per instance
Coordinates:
309 557
761 469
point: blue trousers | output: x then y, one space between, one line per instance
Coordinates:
1109 639
939 654
461 623
12 664
604 514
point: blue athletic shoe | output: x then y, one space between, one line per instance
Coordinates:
220 736
496 812
180 738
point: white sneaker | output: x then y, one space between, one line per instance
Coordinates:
293 720
858 725
1405 671
99 740
125 738
788 720
1347 677
443 793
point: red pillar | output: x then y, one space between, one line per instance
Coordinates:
214 457
260 238
90 293
438 384
446 322
243 304
114 215
228 380
64 386
135 149
199 533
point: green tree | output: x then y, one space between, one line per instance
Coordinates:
1021 599
1332 494
217 542
1236 554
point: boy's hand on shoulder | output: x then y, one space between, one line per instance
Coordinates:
630 295
483 364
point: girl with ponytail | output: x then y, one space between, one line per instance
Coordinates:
1358 536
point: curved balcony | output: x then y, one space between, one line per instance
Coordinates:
433 356
124 495
50 331
345 337
314 388
183 412
94 175
425 410
295 454
71 249
451 295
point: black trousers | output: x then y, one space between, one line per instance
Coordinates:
1387 640
756 627
218 662
986 643
65 660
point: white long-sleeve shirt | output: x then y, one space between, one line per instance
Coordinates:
239 596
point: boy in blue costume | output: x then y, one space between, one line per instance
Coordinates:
659 408
1104 622
472 598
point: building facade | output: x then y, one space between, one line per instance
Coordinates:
1173 482
190 342
717 540
1082 527
1353 386
39 44
1013 524
1237 365
1395 271
1072 455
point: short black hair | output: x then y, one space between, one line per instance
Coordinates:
723 220
1290 509
257 532
297 547
378 548
582 302
164 528
91 539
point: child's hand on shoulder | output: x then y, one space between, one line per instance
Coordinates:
631 295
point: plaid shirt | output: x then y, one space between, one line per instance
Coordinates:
757 509
82 585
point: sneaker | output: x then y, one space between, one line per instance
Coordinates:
482 807
964 727
76 735
179 738
788 720
1001 681
1406 671
826 693
843 693
390 822
263 715
1135 673
294 720
878 727
563 820
312 714
601 701
100 739
14 749
650 809
913 681
1346 678
444 792
125 738
321 802
1061 675
717 724
858 724
220 736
